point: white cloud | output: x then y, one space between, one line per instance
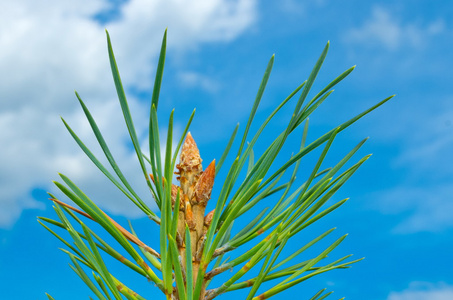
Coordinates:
429 138
423 194
404 50
424 131
428 207
194 79
190 24
50 48
385 30
424 291
292 7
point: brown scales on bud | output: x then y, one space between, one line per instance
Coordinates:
190 155
189 215
195 191
174 194
208 218
189 167
203 188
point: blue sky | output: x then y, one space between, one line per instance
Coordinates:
400 211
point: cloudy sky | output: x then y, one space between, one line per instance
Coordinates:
400 216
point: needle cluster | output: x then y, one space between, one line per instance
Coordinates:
193 243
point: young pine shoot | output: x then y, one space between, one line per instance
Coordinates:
194 242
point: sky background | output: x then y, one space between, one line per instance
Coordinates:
400 213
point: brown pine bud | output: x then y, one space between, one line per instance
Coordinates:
174 192
208 218
190 155
189 167
203 188
189 217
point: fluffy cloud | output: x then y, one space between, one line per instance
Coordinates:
194 79
423 291
428 207
403 49
51 47
385 30
423 193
